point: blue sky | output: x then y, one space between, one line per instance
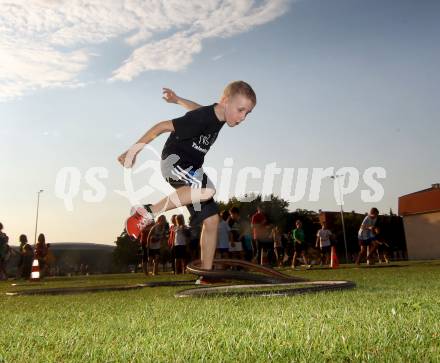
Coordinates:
342 83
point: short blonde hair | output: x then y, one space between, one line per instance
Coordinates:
242 88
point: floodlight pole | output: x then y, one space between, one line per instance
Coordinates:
334 177
36 219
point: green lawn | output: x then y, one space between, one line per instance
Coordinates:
393 315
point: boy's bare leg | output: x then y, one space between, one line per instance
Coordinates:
371 250
186 195
208 241
294 260
181 197
155 266
306 262
360 255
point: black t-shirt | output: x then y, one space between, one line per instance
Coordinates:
194 133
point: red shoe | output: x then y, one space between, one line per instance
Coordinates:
136 223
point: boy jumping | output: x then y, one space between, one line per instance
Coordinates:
191 137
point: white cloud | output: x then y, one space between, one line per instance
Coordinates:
51 133
217 57
46 44
173 54
37 66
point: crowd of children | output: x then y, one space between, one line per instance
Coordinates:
253 239
26 255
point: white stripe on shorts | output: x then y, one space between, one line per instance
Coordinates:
186 177
196 183
179 176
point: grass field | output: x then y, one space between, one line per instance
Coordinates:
393 315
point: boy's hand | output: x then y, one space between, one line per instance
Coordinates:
169 95
127 162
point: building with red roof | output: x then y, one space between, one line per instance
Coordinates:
421 220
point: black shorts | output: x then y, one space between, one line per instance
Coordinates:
326 250
180 252
265 245
154 252
366 242
179 176
289 249
298 247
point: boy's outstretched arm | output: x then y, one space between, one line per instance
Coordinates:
128 158
170 96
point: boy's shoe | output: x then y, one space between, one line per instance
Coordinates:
140 218
202 280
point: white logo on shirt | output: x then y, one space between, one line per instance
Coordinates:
197 147
204 139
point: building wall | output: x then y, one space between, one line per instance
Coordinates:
422 235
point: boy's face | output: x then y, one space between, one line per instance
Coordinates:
236 109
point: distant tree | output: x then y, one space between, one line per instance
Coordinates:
352 222
126 252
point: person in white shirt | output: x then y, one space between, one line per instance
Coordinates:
180 241
235 245
155 237
224 236
323 242
366 235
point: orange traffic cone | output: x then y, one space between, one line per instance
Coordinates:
35 274
334 262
